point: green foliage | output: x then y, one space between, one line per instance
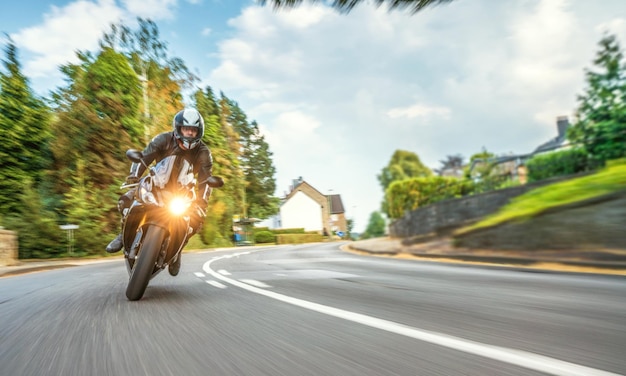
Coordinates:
375 227
264 237
403 165
39 235
87 206
483 167
558 163
601 123
288 231
24 124
410 194
256 162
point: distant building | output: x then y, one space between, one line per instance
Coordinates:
514 164
306 207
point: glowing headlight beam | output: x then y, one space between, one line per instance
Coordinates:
178 206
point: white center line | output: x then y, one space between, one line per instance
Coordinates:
517 357
255 283
216 284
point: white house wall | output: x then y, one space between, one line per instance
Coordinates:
301 211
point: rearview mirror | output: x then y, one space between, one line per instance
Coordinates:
214 182
134 155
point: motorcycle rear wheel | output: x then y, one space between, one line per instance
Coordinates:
144 264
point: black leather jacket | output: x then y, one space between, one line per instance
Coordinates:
164 145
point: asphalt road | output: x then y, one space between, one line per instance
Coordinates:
312 310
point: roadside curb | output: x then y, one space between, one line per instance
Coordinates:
394 250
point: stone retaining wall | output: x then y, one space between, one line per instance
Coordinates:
8 248
442 217
599 222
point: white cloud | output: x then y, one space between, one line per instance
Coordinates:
77 26
419 110
615 26
152 9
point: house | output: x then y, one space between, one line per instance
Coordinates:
306 207
513 165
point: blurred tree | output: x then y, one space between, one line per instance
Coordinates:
83 205
347 5
375 227
97 120
403 165
601 115
221 138
483 163
162 77
25 122
256 162
259 172
451 166
349 228
39 235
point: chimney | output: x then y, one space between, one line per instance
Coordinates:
562 123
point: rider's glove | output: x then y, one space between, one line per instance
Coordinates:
196 218
132 179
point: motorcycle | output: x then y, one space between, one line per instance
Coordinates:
157 223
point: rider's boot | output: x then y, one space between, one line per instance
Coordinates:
115 245
122 206
174 267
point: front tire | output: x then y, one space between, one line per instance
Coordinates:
144 264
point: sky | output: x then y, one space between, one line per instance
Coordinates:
337 94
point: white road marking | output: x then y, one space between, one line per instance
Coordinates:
199 275
216 284
254 282
224 272
516 357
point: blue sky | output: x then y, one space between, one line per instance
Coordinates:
337 94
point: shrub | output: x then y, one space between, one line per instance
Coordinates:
298 238
558 163
264 237
409 194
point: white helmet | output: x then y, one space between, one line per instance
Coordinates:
189 117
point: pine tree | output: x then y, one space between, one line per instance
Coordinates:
601 115
24 121
259 172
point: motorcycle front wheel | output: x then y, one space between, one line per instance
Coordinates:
144 264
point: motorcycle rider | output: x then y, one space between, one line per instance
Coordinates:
185 140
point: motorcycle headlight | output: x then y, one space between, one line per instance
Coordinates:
179 206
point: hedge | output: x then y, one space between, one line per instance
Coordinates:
298 238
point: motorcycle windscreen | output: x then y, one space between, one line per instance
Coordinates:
173 172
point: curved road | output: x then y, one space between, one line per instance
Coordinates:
312 310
